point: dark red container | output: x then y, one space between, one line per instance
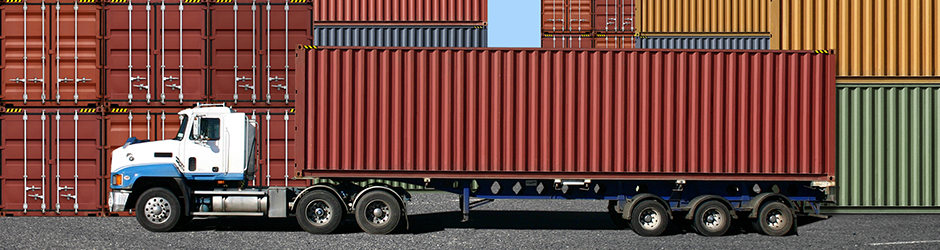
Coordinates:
541 113
275 145
67 35
567 16
156 56
400 12
614 41
564 41
614 16
51 160
261 54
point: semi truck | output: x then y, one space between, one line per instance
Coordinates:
704 136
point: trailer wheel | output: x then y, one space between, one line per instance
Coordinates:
712 219
319 212
158 210
774 219
378 212
649 218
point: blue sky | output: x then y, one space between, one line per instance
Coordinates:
514 23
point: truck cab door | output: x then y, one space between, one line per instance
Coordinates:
202 152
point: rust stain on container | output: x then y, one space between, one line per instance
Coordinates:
875 38
534 113
156 54
260 68
67 36
567 16
399 12
51 162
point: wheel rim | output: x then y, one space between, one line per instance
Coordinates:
650 218
157 210
377 212
775 219
319 212
712 219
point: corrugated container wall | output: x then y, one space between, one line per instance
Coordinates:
614 41
155 52
724 16
874 38
51 160
50 53
400 12
400 36
567 16
704 42
614 16
563 41
251 61
595 114
888 146
275 145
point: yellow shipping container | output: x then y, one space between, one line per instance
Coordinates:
703 16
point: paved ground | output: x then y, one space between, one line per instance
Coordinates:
504 224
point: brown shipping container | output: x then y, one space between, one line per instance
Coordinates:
879 41
614 16
614 41
248 66
566 16
275 144
400 12
66 34
561 41
721 16
156 54
542 113
51 160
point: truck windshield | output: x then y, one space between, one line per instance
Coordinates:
179 134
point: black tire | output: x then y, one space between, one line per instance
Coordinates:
649 218
616 217
712 218
158 210
378 212
774 219
319 212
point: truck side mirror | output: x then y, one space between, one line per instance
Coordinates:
197 129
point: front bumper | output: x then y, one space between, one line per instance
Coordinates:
117 200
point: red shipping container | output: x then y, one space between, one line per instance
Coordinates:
52 57
614 16
606 41
155 53
51 160
255 64
558 114
564 41
398 12
275 145
567 16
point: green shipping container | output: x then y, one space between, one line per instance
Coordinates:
888 148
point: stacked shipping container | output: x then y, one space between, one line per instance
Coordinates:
588 24
80 77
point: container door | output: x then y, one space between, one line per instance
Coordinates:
181 51
76 166
129 41
277 148
614 16
25 34
235 29
284 26
74 45
25 140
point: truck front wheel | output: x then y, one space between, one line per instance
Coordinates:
378 212
319 212
158 210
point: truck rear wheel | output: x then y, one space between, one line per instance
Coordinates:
774 219
158 210
378 212
319 212
712 219
649 218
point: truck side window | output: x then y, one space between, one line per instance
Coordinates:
209 127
